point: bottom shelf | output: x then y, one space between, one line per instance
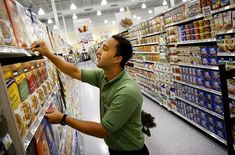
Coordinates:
211 134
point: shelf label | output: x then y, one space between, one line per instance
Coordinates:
207 13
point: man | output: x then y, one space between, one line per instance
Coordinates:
120 98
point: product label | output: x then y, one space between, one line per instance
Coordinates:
13 93
32 82
22 86
207 13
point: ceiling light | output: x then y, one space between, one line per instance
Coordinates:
49 21
144 6
99 13
106 21
185 0
103 2
138 18
75 17
122 9
90 21
164 2
54 27
73 6
150 11
41 11
113 22
134 16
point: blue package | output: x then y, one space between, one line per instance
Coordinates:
225 2
212 51
198 120
208 84
203 123
199 72
218 108
215 75
210 105
207 75
211 120
219 124
213 61
221 133
216 85
204 52
211 128
209 97
199 81
206 61
203 115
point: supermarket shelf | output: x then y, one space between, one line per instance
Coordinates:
7 52
202 108
33 128
196 41
152 34
144 84
186 20
146 69
143 52
226 54
164 82
203 129
226 8
145 77
225 32
146 44
199 66
199 87
132 39
129 70
144 60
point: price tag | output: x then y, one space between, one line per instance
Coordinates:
207 13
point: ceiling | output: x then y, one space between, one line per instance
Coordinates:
87 7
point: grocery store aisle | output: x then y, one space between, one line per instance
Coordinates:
171 136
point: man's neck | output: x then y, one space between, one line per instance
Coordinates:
112 73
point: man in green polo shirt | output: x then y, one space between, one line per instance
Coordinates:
120 98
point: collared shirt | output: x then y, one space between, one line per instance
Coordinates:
120 109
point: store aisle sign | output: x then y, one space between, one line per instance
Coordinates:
83 30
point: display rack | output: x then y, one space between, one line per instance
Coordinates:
229 121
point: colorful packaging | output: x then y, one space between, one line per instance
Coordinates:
227 18
219 22
216 4
7 36
225 2
31 78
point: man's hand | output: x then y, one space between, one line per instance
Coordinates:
41 47
54 116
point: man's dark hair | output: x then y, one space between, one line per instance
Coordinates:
124 49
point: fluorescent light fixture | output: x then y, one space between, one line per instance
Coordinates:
54 27
41 11
122 9
134 16
75 17
49 21
185 0
99 13
103 2
138 18
150 11
90 21
73 6
106 21
143 6
164 2
113 22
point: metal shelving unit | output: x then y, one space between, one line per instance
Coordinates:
199 66
229 121
146 69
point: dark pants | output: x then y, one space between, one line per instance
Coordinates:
143 151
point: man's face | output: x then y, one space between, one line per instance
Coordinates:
106 54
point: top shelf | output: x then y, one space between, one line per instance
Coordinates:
9 52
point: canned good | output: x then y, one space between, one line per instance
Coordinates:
196 24
193 37
202 35
197 30
192 31
201 29
188 37
191 25
201 23
207 35
197 36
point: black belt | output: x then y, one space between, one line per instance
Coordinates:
143 151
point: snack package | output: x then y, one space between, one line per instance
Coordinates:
229 42
31 78
220 43
216 4
7 36
225 3
219 22
18 27
227 18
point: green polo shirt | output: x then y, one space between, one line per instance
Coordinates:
120 109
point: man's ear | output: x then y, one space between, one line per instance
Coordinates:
118 59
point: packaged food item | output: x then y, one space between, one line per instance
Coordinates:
213 61
31 78
215 75
216 4
225 3
204 51
227 18
37 73
25 107
216 85
220 43
7 36
12 87
219 22
229 41
212 51
20 122
41 96
35 102
21 81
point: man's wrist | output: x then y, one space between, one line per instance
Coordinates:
63 120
